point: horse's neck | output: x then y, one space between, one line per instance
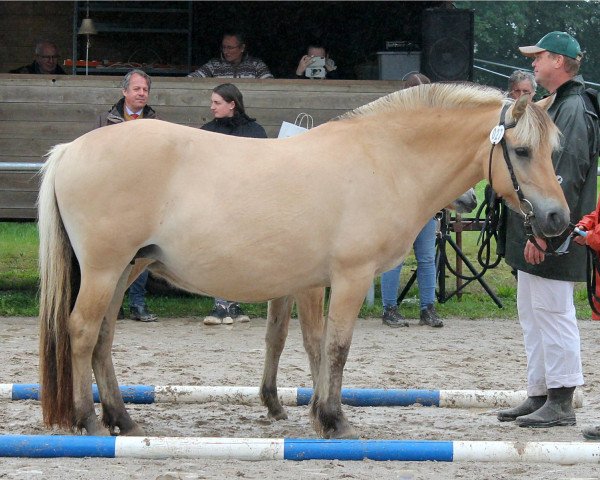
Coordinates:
440 155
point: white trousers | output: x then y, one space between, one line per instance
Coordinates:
550 332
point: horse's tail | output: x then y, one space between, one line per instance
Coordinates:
57 293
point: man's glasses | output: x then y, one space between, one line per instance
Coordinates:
229 47
522 92
49 57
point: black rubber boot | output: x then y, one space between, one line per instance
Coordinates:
557 411
530 405
592 433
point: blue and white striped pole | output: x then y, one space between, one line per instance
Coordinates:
46 446
298 396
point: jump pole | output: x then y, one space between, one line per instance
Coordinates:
52 446
363 397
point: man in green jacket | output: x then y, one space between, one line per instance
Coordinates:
546 283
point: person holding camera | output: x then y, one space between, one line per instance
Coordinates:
316 64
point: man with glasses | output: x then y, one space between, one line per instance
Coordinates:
521 83
234 61
45 60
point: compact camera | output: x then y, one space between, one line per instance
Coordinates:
316 68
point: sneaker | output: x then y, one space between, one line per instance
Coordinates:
430 317
141 314
236 313
392 318
219 312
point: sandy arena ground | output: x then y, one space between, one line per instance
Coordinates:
465 354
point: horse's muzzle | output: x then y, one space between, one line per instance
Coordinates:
551 223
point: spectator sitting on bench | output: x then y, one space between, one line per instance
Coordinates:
45 60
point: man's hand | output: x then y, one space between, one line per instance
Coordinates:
532 254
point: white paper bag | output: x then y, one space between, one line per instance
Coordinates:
290 129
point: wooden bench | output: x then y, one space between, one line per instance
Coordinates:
38 111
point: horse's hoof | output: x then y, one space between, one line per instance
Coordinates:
99 431
345 433
331 426
280 414
133 431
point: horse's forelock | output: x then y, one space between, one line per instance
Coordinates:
534 127
441 95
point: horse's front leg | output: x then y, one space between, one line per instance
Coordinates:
114 413
310 314
278 320
347 296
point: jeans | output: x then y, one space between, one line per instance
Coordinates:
137 290
424 246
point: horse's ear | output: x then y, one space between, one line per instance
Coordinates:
519 107
545 103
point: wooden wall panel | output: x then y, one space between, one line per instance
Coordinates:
37 112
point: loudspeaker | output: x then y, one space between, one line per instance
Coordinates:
447 44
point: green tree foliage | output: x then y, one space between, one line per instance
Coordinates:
501 27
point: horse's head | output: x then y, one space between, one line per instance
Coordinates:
522 170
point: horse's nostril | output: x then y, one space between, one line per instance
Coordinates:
557 221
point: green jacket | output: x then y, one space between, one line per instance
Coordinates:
576 166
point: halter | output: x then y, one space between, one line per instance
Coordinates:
497 136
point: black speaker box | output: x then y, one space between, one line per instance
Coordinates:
447 44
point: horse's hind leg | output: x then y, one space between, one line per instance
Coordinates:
114 413
310 314
85 321
278 320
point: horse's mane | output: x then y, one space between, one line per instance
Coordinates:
442 95
531 128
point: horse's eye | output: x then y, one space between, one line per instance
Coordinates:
522 151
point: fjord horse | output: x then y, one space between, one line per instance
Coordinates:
255 219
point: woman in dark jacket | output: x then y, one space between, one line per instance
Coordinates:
227 106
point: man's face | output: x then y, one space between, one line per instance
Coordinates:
522 88
544 67
232 49
136 95
47 59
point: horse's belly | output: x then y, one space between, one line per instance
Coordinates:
246 278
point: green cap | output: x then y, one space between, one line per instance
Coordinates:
555 42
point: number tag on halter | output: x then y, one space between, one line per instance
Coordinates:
496 134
